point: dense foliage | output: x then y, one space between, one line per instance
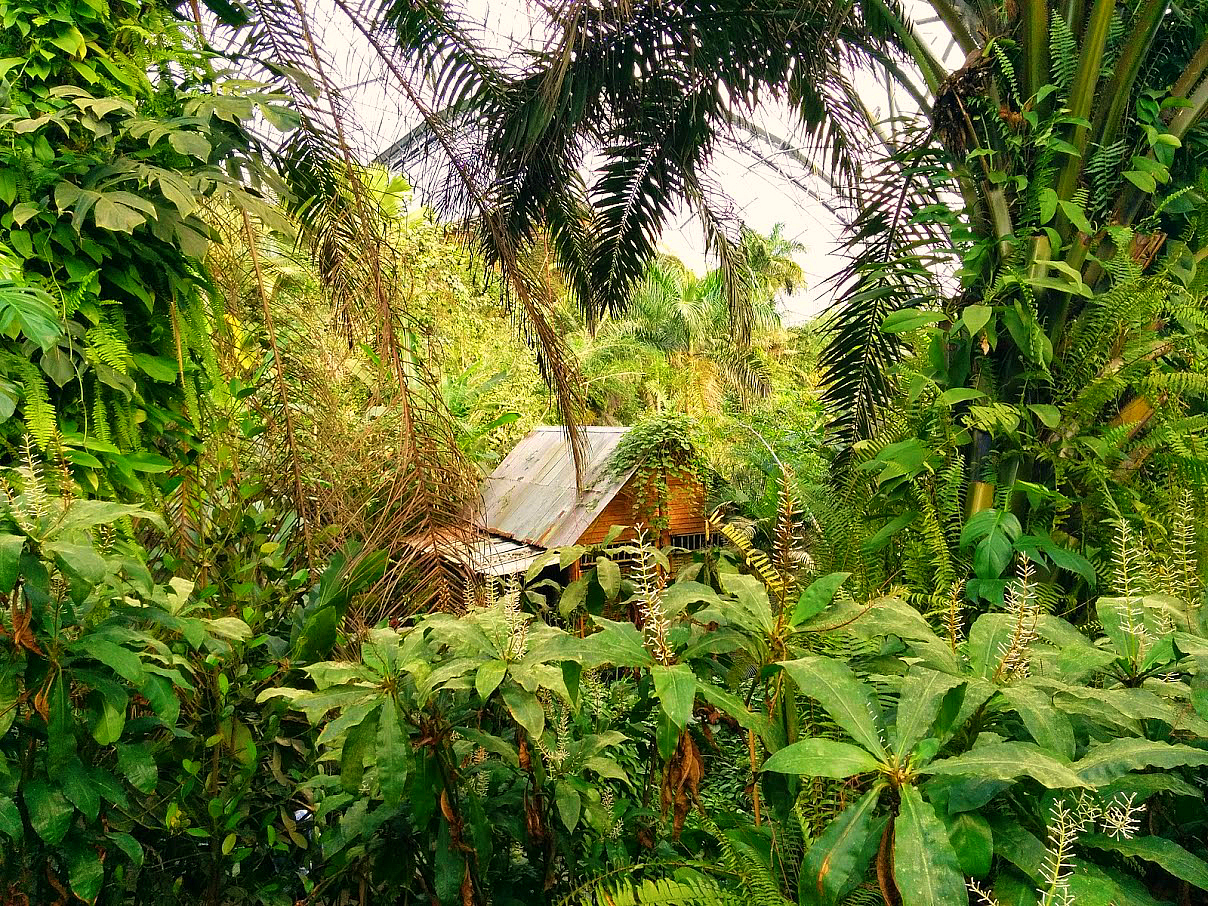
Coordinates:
948 643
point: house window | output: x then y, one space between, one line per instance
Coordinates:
694 542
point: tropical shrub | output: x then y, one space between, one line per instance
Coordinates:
102 666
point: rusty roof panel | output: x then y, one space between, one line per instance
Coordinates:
531 495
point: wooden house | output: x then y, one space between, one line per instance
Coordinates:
530 503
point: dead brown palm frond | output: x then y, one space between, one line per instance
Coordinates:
384 479
527 293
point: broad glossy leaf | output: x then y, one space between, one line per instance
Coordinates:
526 709
48 809
78 786
959 395
1109 760
488 678
675 687
1049 727
733 706
679 596
137 765
973 842
1007 761
849 702
231 628
817 597
975 317
618 644
315 704
10 820
85 870
61 741
608 574
573 596
569 805
925 866
78 560
10 557
122 661
357 743
751 607
105 719
1019 846
919 703
994 533
837 860
1159 850
128 845
909 319
988 637
393 753
821 758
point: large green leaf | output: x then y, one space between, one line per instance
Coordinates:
817 597
10 558
60 726
618 644
488 678
122 661
393 753
10 820
925 866
1006 761
78 560
849 702
84 793
733 706
994 533
675 687
526 709
608 574
32 311
919 703
821 758
1166 853
358 742
137 764
1123 622
49 810
85 870
973 842
837 860
1049 727
105 720
568 803
989 637
1109 760
1019 846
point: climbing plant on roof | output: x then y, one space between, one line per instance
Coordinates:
658 450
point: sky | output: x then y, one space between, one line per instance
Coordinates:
754 176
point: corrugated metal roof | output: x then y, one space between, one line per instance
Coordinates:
531 496
486 555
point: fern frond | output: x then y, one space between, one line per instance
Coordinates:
39 414
756 560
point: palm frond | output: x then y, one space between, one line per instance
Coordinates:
895 261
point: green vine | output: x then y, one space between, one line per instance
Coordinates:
656 450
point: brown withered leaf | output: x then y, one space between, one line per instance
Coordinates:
23 636
681 781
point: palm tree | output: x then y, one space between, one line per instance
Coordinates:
687 319
1039 176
